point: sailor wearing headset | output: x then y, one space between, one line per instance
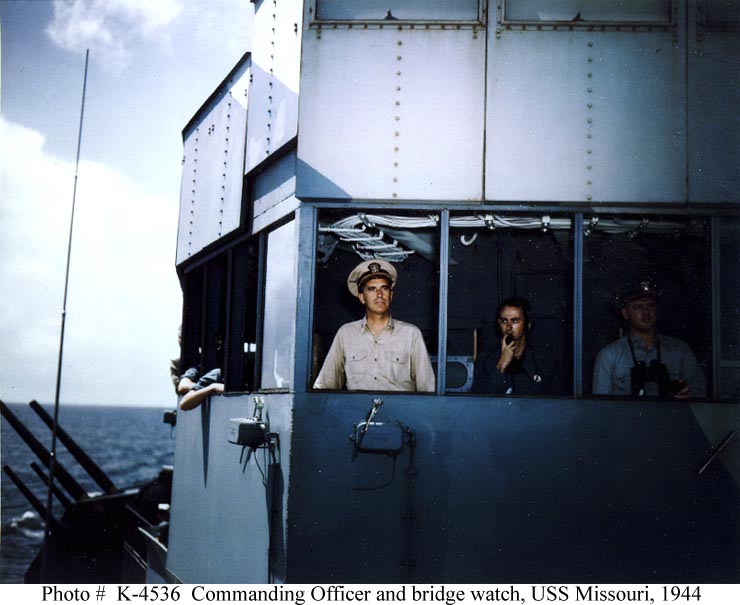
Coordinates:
515 368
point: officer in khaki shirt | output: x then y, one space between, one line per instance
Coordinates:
376 353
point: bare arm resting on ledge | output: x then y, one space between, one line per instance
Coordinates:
194 393
193 399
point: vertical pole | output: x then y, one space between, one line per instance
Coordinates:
716 305
444 263
307 235
259 336
578 306
52 459
232 326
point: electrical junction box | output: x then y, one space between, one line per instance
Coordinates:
379 438
247 432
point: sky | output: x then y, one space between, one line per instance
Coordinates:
152 64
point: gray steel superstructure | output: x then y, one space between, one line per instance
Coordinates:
553 150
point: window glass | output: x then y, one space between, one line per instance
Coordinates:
192 327
653 11
667 260
409 243
524 260
242 349
204 330
279 308
730 308
406 10
214 344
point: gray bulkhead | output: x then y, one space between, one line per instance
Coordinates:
216 534
713 96
521 109
590 116
506 490
229 504
213 158
490 108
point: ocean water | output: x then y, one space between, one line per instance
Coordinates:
131 444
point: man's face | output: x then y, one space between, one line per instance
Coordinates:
641 314
376 295
511 321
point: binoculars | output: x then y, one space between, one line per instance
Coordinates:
657 373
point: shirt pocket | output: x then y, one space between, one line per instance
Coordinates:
355 366
397 363
623 381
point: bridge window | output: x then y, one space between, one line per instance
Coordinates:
573 284
279 308
397 10
668 255
241 367
587 11
192 327
204 332
220 315
495 257
409 242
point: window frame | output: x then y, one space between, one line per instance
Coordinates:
317 21
198 313
311 371
195 279
621 23
579 218
264 251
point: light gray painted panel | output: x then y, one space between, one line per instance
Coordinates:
389 114
275 213
219 515
213 168
714 102
273 192
273 112
536 122
585 116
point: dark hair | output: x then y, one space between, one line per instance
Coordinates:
518 303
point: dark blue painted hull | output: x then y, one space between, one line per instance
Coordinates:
518 490
501 490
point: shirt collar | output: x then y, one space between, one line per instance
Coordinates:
364 326
639 343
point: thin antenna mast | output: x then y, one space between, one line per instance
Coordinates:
55 424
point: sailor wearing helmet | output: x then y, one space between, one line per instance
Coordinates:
377 352
643 362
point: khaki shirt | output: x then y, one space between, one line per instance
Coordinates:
395 360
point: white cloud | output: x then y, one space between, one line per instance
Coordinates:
124 301
114 29
208 23
110 28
